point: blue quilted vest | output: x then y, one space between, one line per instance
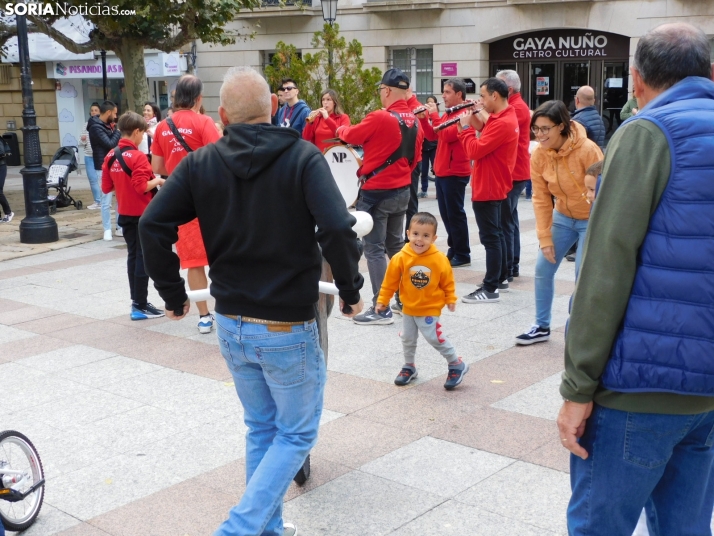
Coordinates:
666 340
591 120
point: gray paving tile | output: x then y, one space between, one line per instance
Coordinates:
50 521
437 466
541 399
109 370
453 517
356 504
28 391
65 358
10 334
528 493
209 403
153 387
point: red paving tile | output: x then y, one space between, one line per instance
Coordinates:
57 322
25 314
12 351
347 394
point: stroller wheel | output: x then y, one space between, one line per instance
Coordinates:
79 205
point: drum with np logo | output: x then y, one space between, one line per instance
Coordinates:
344 161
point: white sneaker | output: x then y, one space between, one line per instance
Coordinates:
119 231
8 217
94 206
108 235
289 529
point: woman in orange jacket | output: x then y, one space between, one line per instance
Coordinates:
322 123
558 167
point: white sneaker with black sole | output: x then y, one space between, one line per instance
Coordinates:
481 295
536 334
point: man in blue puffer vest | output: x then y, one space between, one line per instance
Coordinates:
638 384
587 115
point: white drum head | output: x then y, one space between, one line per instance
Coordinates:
344 162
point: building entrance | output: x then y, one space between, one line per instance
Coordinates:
553 64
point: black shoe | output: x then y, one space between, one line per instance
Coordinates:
456 374
456 262
570 258
536 334
406 375
449 254
516 271
145 311
503 286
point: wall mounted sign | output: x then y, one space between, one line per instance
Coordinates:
560 44
448 69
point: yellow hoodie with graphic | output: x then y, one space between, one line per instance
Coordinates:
425 282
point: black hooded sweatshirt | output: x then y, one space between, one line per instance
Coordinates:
259 193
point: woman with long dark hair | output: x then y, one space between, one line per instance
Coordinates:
152 116
322 123
558 168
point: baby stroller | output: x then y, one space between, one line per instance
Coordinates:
63 163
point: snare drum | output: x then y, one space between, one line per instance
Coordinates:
344 161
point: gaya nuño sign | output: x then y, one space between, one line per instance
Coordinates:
555 44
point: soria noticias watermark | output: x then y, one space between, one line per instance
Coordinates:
63 9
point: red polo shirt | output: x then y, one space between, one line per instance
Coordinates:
494 156
379 135
522 171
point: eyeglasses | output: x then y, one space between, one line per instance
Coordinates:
379 89
289 88
544 130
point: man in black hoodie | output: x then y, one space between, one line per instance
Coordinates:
258 193
104 137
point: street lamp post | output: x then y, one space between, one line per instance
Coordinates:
329 15
38 227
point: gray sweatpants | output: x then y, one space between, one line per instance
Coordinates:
430 327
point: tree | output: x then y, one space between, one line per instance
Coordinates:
355 85
165 25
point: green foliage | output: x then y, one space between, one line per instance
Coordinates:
355 85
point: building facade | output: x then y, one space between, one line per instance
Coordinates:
555 45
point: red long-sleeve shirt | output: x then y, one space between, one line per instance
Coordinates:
322 129
413 104
494 156
132 197
379 135
450 159
522 171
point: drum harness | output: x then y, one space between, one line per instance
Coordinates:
406 149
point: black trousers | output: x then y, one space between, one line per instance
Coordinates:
3 200
413 206
488 219
138 280
511 226
450 193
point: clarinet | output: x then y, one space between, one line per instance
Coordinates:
453 120
422 109
461 106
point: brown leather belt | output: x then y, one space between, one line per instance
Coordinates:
273 325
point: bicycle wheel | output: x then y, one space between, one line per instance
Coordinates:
17 453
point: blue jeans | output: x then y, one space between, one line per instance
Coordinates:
106 206
450 192
387 234
280 378
638 459
566 232
93 181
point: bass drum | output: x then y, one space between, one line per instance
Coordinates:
344 161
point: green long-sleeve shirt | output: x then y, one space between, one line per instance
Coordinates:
626 111
635 174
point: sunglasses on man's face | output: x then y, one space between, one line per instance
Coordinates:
289 88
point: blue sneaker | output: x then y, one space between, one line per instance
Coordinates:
205 323
372 317
144 312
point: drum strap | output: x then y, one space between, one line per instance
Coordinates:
406 148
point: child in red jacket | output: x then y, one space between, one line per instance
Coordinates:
127 171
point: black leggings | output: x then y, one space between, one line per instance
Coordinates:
3 200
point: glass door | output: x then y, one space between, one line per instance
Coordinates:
575 75
542 84
614 92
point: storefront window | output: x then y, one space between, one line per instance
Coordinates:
93 91
542 83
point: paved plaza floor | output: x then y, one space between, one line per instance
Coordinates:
141 433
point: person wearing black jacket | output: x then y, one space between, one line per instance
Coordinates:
259 193
103 137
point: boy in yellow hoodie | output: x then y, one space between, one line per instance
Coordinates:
425 280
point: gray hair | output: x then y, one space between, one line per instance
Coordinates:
670 53
511 79
245 95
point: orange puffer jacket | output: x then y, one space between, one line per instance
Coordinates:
561 174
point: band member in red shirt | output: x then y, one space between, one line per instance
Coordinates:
322 123
168 150
494 157
391 139
452 169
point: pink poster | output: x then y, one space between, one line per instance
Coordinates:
448 69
